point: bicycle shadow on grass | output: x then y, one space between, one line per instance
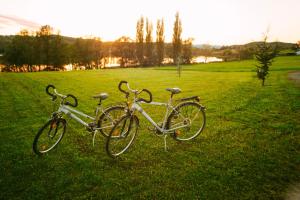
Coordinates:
141 155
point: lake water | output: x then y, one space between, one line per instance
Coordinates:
203 59
114 61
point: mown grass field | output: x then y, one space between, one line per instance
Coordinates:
249 150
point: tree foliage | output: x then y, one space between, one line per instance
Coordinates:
187 51
149 45
140 40
177 41
21 51
48 50
160 42
264 55
124 49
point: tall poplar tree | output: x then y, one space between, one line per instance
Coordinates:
160 42
149 58
140 40
177 39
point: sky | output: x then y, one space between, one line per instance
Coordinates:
215 22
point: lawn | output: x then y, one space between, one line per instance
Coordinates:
249 149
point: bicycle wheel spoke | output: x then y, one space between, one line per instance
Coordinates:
195 116
49 136
121 136
109 118
187 122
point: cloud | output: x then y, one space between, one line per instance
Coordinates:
7 21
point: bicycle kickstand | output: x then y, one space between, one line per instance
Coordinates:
165 139
94 136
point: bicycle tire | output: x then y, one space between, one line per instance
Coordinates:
109 114
53 126
126 128
180 116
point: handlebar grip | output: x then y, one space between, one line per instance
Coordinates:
150 96
47 91
75 101
120 87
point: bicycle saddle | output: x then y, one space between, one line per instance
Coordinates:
101 96
174 90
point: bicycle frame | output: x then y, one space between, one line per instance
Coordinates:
169 109
70 112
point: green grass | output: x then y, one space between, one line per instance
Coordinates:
249 149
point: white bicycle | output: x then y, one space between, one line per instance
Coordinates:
184 121
54 129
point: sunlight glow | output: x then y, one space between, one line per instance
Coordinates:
207 21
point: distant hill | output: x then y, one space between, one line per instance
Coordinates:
283 45
200 46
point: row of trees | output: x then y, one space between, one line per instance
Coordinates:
153 53
41 49
46 50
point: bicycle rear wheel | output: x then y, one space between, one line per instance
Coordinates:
49 136
187 120
109 118
122 135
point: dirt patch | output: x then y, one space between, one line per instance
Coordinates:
295 76
293 193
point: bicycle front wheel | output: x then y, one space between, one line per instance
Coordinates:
122 135
49 136
187 120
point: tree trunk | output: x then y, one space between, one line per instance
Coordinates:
263 82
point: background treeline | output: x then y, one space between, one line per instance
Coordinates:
46 50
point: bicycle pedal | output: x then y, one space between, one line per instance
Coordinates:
89 129
92 124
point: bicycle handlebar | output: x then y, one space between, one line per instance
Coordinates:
75 101
135 92
55 94
150 96
120 87
47 91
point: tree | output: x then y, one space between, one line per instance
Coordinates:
177 39
187 51
227 54
245 53
58 52
140 40
264 55
20 52
87 52
298 44
43 37
149 54
160 42
123 48
96 54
